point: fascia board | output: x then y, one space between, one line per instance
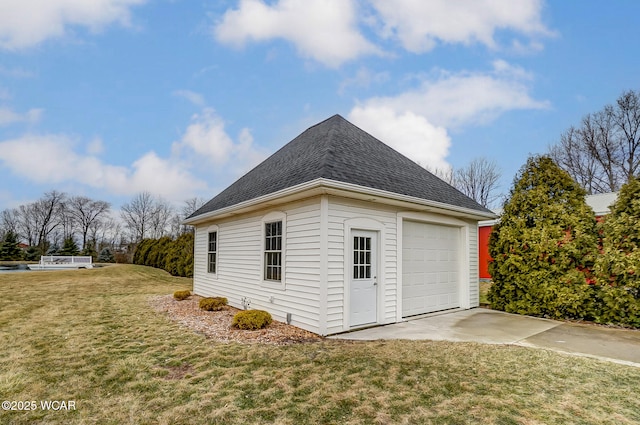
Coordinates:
332 187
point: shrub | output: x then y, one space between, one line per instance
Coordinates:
544 246
158 252
106 256
179 258
174 256
618 268
213 304
181 295
251 320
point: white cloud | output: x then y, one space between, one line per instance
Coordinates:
408 133
324 30
416 122
457 99
26 23
7 116
57 159
53 159
330 31
419 25
170 179
206 137
364 78
193 97
95 147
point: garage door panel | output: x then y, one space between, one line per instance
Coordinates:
430 268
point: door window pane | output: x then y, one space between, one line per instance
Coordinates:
361 257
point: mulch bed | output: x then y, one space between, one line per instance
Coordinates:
217 324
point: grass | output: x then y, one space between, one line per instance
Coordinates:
90 337
484 291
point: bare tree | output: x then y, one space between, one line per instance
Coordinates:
105 232
598 133
161 218
146 216
626 116
445 174
27 223
67 224
137 215
604 151
46 214
190 206
86 213
570 154
479 181
9 221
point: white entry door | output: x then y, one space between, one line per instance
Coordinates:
364 283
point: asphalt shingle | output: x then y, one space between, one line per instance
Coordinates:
337 150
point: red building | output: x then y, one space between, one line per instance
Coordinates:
599 203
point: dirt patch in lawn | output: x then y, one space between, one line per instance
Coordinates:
217 324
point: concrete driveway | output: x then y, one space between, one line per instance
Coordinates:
496 327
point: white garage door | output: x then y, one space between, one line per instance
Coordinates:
430 267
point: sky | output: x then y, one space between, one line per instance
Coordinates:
179 98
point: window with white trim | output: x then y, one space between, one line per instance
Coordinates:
212 252
273 251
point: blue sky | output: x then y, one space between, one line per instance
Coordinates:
108 98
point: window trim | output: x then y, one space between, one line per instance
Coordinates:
273 217
210 230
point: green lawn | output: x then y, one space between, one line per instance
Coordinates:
89 337
484 291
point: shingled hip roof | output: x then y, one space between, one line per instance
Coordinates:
337 150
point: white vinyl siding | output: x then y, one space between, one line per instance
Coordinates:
313 258
240 255
472 254
340 210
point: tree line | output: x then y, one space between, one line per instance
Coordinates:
479 180
58 223
601 153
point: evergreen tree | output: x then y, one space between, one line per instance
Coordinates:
618 268
9 249
179 257
32 254
51 249
544 246
89 250
69 247
106 256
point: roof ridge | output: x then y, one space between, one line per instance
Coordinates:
328 156
323 121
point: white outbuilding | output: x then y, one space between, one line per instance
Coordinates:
338 231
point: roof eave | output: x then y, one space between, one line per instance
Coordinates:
323 186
